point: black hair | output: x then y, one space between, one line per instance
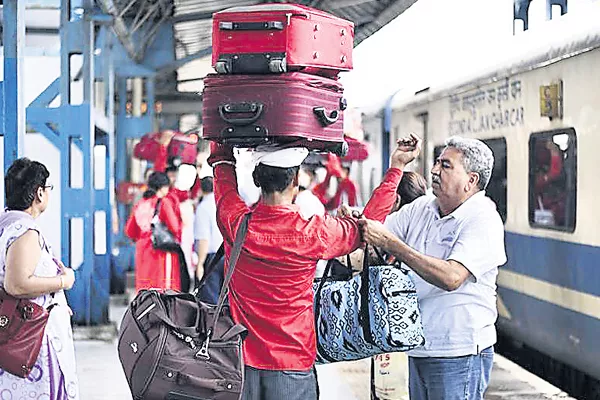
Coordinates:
273 179
171 168
206 184
23 178
156 181
412 185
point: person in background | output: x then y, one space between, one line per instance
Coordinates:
182 206
309 203
30 271
412 185
208 240
346 192
453 242
333 168
155 268
202 170
395 365
271 289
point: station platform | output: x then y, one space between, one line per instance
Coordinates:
101 376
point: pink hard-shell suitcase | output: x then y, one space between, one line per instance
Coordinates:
287 109
274 38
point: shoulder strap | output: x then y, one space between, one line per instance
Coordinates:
240 236
157 208
212 267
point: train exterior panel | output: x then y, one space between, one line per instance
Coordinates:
549 290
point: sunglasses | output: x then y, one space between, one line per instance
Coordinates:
51 187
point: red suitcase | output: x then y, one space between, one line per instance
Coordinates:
275 38
291 108
181 146
357 150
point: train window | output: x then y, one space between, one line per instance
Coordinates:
496 189
553 180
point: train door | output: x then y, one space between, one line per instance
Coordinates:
496 189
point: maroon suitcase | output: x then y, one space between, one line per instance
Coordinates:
273 38
287 109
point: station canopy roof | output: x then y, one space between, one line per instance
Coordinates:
192 24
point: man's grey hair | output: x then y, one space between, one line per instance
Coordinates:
476 157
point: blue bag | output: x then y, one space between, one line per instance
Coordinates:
372 313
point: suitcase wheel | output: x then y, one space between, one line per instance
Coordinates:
277 65
223 67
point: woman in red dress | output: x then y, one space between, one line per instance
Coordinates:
155 268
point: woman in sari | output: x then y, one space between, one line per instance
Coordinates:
154 268
29 270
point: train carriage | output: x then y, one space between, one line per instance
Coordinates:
539 111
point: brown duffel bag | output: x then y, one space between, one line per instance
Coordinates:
173 347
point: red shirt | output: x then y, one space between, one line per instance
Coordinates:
347 186
271 290
160 165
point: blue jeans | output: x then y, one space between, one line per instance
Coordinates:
260 384
464 378
209 293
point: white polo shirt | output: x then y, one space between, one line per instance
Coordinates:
205 224
461 322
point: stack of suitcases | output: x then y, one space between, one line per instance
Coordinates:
277 77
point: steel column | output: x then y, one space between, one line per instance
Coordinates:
89 297
13 105
104 195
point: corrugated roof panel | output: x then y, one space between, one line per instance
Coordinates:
194 36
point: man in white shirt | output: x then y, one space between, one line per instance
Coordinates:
208 240
453 241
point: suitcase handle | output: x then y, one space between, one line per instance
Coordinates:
251 26
241 108
325 119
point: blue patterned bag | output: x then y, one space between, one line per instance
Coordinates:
372 313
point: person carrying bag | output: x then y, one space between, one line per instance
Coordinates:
172 346
163 239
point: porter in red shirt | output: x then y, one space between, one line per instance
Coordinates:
271 290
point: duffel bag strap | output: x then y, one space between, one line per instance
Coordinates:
240 236
159 312
364 298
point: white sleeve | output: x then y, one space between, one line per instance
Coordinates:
397 222
479 246
202 224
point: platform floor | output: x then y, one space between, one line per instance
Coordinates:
101 376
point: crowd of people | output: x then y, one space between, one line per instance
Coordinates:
450 238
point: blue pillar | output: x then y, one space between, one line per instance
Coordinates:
550 3
121 152
89 297
521 11
14 107
104 196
